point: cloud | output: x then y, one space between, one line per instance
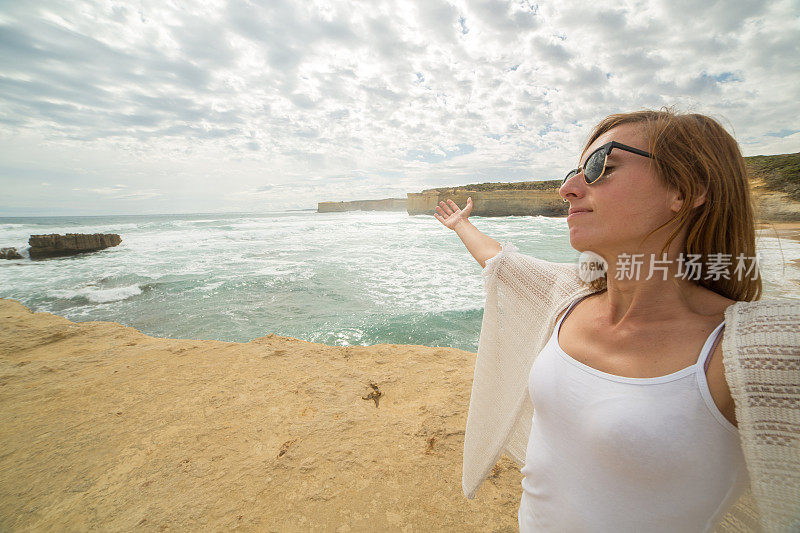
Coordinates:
236 100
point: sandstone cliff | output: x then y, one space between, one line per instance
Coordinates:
527 198
775 184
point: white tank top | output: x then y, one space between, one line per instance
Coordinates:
618 454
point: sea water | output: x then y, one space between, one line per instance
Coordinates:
352 278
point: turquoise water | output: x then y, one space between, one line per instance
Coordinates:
354 278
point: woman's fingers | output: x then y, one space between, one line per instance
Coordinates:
443 212
450 207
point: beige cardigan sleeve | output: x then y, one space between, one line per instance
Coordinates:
761 355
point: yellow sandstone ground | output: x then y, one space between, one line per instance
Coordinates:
106 428
103 427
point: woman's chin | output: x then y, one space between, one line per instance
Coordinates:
584 244
579 242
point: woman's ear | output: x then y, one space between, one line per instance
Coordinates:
677 199
700 199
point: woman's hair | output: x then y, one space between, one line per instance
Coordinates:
693 153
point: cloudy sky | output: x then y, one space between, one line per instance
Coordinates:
209 106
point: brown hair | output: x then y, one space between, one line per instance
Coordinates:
693 153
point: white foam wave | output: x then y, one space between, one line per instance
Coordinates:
211 286
93 294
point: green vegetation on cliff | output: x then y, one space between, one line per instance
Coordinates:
778 172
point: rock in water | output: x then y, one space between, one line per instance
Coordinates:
55 245
9 253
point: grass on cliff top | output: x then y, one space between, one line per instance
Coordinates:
779 173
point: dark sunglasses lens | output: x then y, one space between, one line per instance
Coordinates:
594 166
568 176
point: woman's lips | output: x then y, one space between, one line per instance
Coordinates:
577 214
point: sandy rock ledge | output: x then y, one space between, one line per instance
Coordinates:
106 428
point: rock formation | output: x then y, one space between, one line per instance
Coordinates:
526 198
387 204
9 253
775 186
773 206
55 245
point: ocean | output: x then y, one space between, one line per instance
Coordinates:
352 278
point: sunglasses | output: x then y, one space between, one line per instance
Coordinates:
595 164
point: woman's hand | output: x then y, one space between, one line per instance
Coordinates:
450 215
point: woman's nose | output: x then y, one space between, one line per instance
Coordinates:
572 186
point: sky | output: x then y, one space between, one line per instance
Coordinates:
112 107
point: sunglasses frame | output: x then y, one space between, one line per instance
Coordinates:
607 149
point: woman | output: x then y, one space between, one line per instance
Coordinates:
635 424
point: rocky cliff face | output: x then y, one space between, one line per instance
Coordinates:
387 204
525 198
55 245
773 206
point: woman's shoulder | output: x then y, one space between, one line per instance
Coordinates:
708 302
705 302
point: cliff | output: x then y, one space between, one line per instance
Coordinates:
387 204
775 184
528 198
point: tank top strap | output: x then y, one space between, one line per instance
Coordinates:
710 345
569 310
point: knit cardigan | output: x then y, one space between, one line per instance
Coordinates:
761 357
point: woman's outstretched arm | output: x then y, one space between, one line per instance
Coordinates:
482 247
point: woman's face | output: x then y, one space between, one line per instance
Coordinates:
625 203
